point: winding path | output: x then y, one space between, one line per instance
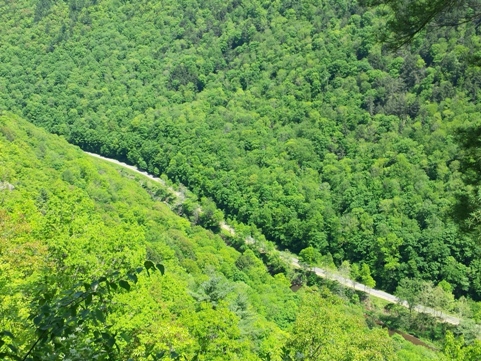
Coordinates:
377 293
295 261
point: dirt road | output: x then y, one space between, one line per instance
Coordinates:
295 262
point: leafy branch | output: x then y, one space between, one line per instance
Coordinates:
83 308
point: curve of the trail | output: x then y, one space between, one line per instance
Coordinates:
295 262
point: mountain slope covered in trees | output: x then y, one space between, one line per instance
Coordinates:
288 114
66 218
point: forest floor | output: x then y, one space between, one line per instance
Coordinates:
295 261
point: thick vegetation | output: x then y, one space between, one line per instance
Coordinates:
66 220
287 114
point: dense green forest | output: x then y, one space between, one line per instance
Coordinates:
66 219
288 114
290 117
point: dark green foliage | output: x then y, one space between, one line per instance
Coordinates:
60 234
286 116
409 18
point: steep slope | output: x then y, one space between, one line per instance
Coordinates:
66 218
287 114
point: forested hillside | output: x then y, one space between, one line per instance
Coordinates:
67 219
288 114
